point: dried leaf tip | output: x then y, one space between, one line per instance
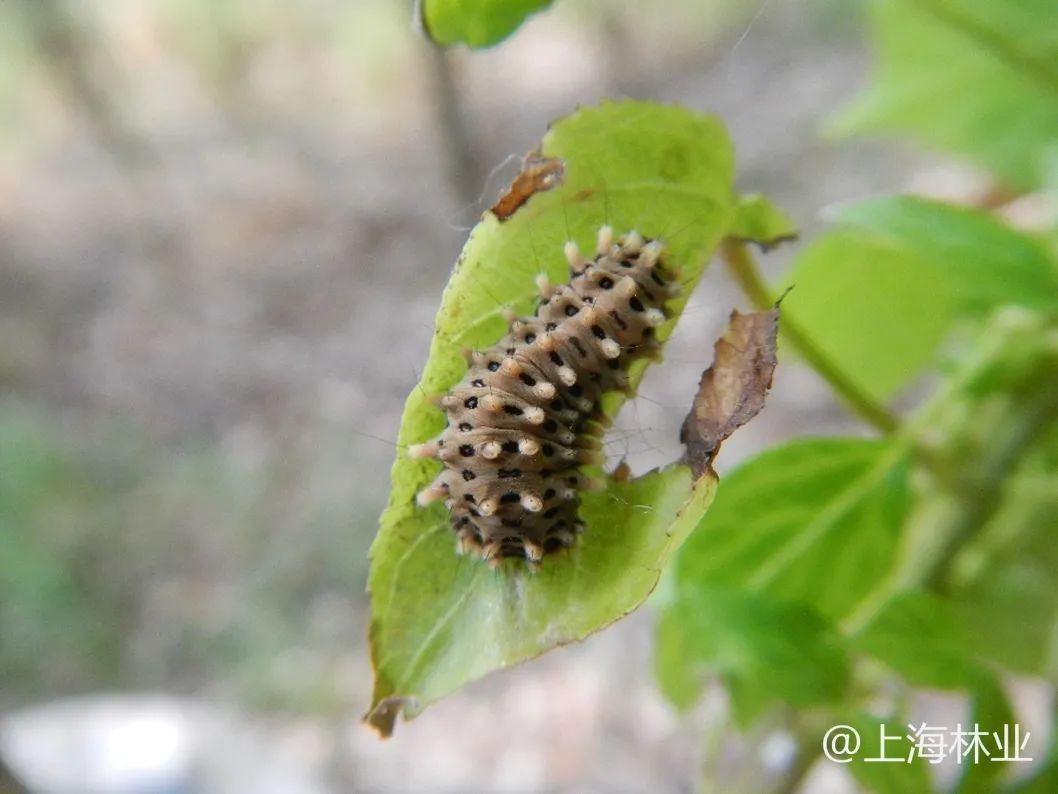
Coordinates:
732 391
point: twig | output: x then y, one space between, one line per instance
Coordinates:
463 171
973 504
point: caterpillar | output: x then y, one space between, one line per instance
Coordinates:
527 414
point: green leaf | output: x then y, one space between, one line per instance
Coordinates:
862 299
476 23
1010 617
988 263
976 78
765 650
678 673
886 288
919 636
991 491
782 522
1006 604
438 620
883 777
757 582
991 711
762 222
1044 780
915 635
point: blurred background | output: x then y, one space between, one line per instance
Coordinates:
224 230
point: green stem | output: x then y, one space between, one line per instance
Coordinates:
979 500
744 269
971 500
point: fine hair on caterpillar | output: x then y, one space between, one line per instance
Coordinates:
527 414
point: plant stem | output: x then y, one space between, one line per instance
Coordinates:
981 499
964 506
464 175
744 269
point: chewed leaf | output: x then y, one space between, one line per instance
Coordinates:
445 620
733 389
440 620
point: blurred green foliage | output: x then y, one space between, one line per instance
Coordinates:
852 325
976 78
834 575
946 573
51 627
477 23
829 573
926 558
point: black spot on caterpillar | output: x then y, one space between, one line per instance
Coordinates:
527 413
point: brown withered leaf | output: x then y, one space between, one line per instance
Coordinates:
538 173
732 390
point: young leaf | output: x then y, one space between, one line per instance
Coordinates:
476 23
1003 609
984 525
782 519
765 650
876 309
885 739
886 288
438 620
971 77
760 221
988 263
915 635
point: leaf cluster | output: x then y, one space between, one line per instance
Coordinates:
829 577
